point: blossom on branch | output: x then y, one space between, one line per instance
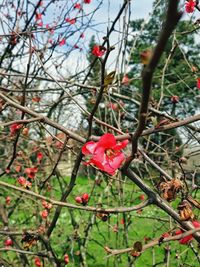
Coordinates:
187 238
98 50
14 128
106 153
31 172
190 6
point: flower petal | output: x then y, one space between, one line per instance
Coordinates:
120 145
89 147
106 141
116 162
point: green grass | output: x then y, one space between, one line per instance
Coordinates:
72 225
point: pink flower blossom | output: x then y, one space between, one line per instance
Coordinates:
106 153
190 6
77 6
62 42
98 50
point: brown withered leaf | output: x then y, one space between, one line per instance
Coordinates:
29 240
170 189
102 216
137 246
185 211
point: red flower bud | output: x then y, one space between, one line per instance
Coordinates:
44 214
174 99
8 200
8 242
66 258
78 200
142 197
98 51
37 262
85 198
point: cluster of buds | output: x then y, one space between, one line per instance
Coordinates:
170 189
46 205
82 199
44 214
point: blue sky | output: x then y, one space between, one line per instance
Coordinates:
104 17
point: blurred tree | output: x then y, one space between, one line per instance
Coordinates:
175 76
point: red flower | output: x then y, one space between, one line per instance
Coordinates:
78 199
38 16
142 197
70 21
46 205
87 1
44 214
66 258
62 42
8 242
31 172
106 153
82 199
187 238
39 157
174 99
77 6
85 198
40 24
23 182
37 262
14 128
190 6
198 83
98 51
8 200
